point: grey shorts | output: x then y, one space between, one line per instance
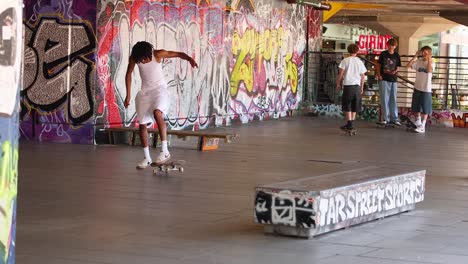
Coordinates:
422 102
351 100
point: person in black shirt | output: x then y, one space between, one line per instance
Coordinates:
387 68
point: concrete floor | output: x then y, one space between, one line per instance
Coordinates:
88 204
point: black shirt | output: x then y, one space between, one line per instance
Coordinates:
389 62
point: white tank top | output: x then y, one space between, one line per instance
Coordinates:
152 75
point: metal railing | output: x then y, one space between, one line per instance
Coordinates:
449 82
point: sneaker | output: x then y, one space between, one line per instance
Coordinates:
420 129
382 123
163 157
397 123
418 123
144 164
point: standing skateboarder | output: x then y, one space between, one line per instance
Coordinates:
352 72
152 101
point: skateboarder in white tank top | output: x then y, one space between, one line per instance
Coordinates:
152 101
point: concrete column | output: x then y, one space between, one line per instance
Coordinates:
403 28
11 14
407 45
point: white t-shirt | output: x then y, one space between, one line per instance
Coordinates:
423 81
353 68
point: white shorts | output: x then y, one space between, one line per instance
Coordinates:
147 101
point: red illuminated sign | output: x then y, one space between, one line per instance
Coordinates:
373 42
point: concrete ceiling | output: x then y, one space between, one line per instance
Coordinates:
455 10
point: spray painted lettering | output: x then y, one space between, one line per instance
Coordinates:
56 70
357 203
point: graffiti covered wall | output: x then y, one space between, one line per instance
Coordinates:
250 56
57 97
10 75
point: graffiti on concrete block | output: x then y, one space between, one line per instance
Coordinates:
284 208
353 203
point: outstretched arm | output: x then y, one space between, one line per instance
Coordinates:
160 54
128 80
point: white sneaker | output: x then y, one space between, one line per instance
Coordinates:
420 129
418 123
144 164
163 157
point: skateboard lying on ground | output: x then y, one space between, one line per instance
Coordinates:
170 165
350 132
410 125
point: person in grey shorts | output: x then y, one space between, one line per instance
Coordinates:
422 95
352 72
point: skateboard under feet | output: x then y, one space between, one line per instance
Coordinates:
350 132
175 165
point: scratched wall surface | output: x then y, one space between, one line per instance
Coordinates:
250 55
57 97
10 81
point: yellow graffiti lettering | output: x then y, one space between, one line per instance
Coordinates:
8 190
291 74
256 47
243 69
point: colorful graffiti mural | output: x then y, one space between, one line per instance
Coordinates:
11 44
249 54
460 119
58 82
196 29
267 61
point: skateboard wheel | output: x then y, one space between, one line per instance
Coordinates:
181 169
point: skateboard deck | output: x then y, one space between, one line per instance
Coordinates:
410 125
171 165
350 132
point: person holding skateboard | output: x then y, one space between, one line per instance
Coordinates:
386 70
352 72
152 101
422 95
